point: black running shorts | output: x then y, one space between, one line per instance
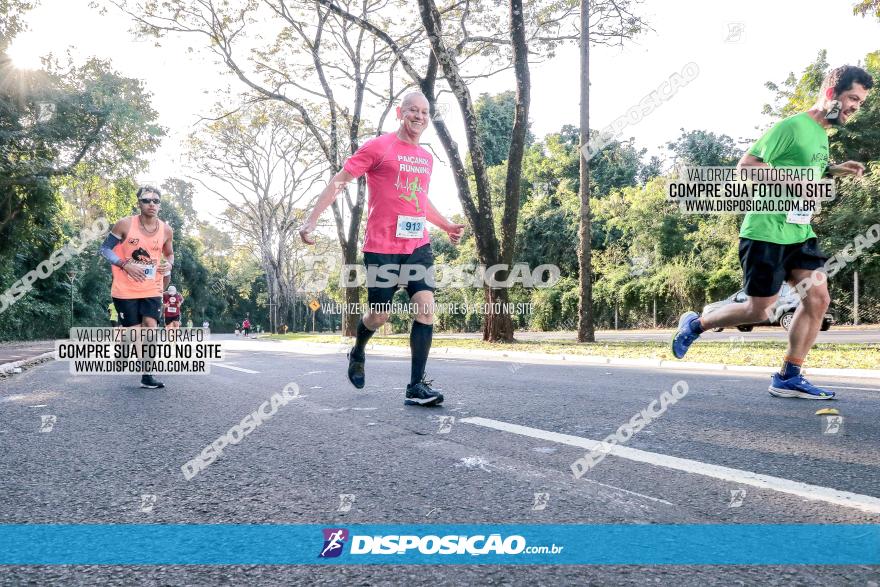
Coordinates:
132 312
380 294
766 265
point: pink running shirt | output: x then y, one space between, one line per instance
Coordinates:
398 175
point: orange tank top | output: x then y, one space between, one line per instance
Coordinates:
145 250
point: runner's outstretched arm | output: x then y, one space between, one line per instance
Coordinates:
324 200
749 160
437 219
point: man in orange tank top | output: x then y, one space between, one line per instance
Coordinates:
135 249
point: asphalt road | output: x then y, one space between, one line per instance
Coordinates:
113 442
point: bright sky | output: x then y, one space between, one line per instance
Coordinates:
738 46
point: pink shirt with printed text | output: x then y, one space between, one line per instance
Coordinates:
398 175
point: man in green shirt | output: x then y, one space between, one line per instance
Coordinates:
783 247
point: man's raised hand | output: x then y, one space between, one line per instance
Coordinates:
305 232
848 168
455 231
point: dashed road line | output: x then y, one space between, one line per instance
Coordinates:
234 368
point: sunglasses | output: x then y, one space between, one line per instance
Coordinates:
150 201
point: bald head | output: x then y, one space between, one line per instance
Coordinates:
416 98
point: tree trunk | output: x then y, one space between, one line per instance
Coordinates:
497 325
349 257
285 305
350 319
586 331
518 132
855 298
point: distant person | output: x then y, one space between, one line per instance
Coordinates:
246 327
189 322
113 315
171 302
205 324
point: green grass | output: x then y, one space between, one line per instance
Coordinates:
757 353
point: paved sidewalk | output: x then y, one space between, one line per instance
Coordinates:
14 352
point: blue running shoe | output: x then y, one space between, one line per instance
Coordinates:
797 386
685 336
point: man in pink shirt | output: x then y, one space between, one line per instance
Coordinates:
398 176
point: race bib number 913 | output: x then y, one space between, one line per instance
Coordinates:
410 226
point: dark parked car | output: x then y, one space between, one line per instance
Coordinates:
783 310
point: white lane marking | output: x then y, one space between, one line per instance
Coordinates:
346 409
865 503
631 492
32 396
234 368
845 387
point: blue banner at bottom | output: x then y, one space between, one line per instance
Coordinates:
226 544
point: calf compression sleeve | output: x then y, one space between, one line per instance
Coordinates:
420 345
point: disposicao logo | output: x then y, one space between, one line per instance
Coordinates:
334 540
404 544
443 545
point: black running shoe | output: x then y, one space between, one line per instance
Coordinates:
421 394
151 382
355 370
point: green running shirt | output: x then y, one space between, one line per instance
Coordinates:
797 141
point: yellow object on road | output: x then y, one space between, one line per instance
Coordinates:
828 412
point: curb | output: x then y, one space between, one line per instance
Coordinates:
9 368
525 357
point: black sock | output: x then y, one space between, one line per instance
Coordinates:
363 337
420 345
